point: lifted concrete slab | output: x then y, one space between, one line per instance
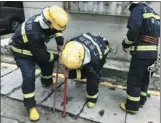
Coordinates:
12 81
150 113
107 109
76 98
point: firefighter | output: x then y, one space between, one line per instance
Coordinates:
142 39
84 57
28 48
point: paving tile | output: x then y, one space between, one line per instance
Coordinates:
40 92
108 102
12 81
7 120
76 96
5 69
150 113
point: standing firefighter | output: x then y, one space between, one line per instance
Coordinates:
28 47
85 56
142 37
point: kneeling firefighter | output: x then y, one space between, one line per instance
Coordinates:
142 38
84 57
28 48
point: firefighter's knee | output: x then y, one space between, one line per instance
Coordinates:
46 80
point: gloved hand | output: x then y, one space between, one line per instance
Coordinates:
106 42
56 57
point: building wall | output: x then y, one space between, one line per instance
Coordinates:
112 27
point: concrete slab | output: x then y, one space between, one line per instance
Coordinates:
15 110
7 120
5 70
108 102
11 81
76 95
150 113
40 92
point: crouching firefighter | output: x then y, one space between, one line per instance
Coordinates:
28 48
142 39
84 57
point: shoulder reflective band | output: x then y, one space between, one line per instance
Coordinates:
98 48
58 34
46 77
127 41
23 33
144 48
51 57
143 94
133 98
30 95
92 97
151 15
78 74
21 51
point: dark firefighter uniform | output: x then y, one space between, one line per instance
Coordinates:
142 38
91 65
28 46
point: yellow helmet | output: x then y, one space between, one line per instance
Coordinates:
73 55
55 17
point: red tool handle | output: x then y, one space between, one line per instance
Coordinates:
65 93
57 70
55 85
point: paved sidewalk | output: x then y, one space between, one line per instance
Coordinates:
108 103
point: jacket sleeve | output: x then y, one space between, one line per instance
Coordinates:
134 25
38 48
59 38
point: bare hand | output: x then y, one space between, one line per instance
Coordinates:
66 72
59 48
124 49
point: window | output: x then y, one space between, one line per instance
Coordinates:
16 4
98 7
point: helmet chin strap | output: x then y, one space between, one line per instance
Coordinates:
42 23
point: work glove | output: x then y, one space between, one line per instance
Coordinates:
56 57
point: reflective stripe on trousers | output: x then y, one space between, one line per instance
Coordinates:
46 77
30 95
133 98
92 97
